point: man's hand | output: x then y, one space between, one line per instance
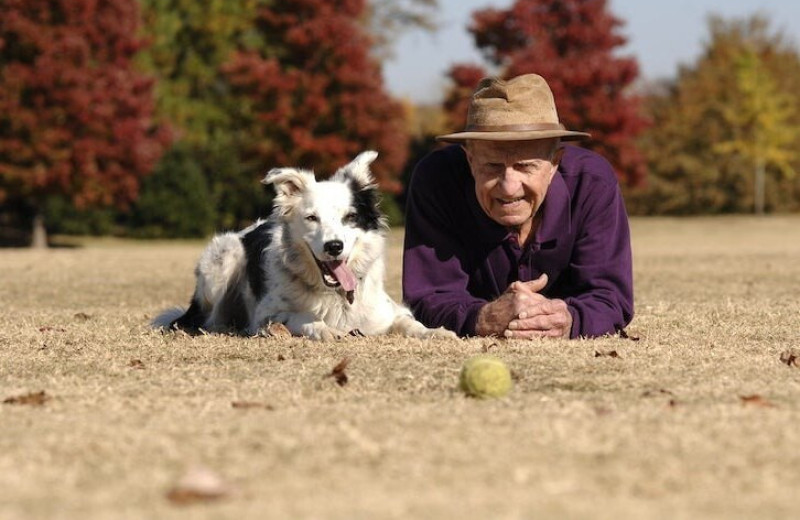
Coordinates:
521 312
495 317
541 316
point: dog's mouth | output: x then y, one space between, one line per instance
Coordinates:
335 273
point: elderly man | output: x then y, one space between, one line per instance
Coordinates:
509 233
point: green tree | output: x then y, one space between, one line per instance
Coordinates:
735 108
191 42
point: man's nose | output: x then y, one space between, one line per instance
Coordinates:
509 182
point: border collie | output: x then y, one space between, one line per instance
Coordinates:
315 265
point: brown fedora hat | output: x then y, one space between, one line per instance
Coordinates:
519 109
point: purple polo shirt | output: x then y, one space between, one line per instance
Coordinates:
456 259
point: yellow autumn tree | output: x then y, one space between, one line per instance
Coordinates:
763 128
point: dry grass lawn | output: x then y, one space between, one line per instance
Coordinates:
660 431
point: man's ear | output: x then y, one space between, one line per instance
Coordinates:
557 155
467 152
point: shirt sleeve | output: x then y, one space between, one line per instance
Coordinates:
601 278
435 282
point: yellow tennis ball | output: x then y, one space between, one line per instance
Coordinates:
485 376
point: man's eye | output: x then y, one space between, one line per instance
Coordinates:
312 218
529 167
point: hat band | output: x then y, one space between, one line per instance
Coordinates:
515 128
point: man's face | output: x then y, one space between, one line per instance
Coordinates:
511 178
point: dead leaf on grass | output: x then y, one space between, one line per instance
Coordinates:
82 316
487 348
281 357
136 364
791 357
338 374
48 328
756 400
660 391
198 485
30 399
606 353
624 335
278 330
251 404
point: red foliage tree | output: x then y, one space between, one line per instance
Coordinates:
316 93
571 43
75 117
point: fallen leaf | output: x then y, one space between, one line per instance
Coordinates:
606 353
251 404
278 330
756 400
48 328
281 357
136 363
791 357
624 335
487 348
660 391
30 399
198 485
338 373
82 316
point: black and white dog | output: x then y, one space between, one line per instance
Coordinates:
315 265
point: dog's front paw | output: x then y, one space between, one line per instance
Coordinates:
439 333
319 331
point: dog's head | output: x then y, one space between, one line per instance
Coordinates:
332 217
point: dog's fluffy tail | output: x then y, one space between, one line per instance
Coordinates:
165 320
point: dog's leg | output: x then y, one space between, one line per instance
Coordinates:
220 272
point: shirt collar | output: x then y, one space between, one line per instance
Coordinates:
555 211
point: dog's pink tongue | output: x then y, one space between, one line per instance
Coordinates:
343 275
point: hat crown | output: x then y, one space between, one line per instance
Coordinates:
518 109
524 100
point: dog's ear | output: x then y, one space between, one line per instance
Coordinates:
289 183
358 170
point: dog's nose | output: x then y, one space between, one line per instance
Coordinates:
334 247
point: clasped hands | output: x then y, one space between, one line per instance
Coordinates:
522 312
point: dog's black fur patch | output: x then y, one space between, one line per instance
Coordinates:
365 200
255 242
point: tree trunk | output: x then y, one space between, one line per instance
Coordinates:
759 187
39 239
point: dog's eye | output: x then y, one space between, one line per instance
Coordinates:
312 218
350 218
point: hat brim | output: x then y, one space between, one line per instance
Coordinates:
565 135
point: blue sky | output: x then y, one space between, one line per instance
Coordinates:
661 35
